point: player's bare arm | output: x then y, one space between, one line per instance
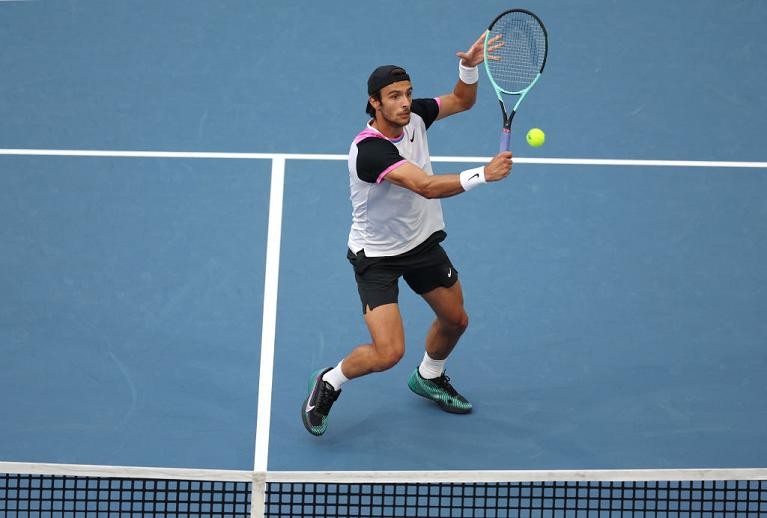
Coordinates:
464 95
429 186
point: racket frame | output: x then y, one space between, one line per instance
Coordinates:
508 117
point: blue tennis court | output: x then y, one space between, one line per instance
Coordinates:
175 207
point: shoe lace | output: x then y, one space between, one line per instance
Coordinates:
444 383
326 398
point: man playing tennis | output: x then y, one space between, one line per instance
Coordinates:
396 231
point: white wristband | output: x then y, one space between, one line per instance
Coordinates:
468 75
472 177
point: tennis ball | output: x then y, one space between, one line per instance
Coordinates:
536 137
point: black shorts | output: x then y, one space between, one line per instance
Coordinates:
424 268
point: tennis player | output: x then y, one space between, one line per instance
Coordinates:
396 231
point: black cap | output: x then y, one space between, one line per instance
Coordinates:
384 76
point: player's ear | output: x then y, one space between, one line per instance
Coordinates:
375 103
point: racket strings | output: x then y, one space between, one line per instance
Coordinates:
523 52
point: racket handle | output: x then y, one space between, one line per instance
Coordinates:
505 136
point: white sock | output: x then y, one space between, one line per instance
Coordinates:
335 376
431 368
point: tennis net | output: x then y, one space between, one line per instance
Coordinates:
75 491
50 490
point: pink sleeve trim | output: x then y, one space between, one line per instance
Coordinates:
439 102
365 134
389 170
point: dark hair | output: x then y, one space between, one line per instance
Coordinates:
369 108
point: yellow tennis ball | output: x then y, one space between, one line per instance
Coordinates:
536 137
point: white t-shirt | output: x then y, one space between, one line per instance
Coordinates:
389 220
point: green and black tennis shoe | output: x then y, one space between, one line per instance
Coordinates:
316 407
440 391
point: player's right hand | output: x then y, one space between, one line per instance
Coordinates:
499 167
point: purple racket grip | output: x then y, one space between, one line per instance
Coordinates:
505 136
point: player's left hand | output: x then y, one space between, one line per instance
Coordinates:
476 53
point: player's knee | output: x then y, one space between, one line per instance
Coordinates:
389 357
463 322
457 322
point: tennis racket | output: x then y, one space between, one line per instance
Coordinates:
515 66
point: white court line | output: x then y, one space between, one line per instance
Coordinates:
268 332
304 156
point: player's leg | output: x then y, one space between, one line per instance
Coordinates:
377 286
387 347
385 350
438 284
450 323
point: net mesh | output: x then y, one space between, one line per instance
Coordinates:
84 497
523 53
79 496
733 498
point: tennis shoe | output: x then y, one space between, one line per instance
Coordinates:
316 407
440 391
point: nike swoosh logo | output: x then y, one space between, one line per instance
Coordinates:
412 138
309 407
473 177
449 272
